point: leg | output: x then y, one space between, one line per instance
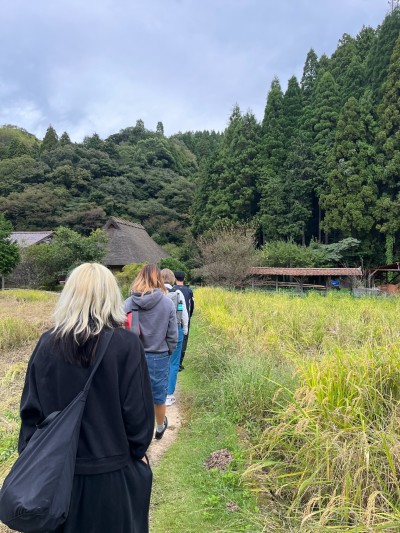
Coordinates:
184 345
158 365
174 363
160 413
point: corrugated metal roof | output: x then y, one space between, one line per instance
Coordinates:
130 243
28 238
300 272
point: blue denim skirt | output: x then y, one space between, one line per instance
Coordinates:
158 365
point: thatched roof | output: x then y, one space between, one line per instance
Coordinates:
305 272
130 243
28 238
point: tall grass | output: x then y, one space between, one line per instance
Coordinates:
25 295
317 381
15 332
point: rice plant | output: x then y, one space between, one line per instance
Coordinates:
320 379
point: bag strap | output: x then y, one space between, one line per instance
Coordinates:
102 344
135 321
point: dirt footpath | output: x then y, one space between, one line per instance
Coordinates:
159 447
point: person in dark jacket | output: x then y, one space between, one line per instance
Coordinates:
157 324
189 299
112 482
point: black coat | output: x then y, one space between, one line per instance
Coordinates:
112 486
118 420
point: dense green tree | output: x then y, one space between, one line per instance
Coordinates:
93 141
9 251
292 109
389 145
364 42
36 207
17 173
16 142
324 125
64 139
50 139
232 195
381 51
160 129
272 204
309 76
350 195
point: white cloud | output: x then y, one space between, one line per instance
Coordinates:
101 65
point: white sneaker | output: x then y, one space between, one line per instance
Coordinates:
170 400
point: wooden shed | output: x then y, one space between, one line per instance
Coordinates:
386 277
130 243
300 278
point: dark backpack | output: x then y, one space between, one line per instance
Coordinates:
36 494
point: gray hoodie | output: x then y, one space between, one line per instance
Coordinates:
157 320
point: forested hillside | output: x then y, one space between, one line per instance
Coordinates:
136 174
323 164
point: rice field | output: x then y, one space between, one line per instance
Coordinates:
24 315
312 383
316 383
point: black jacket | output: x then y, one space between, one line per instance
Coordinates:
118 420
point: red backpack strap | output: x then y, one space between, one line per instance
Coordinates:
132 321
128 323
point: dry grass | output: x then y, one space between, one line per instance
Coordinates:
24 315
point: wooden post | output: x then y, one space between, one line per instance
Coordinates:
327 283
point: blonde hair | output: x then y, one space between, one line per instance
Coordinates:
90 301
148 279
168 276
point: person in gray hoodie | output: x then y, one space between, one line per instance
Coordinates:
152 315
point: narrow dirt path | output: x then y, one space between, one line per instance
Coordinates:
159 447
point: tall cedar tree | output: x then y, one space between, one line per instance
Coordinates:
296 175
350 196
273 205
236 171
326 107
389 146
50 140
381 50
344 64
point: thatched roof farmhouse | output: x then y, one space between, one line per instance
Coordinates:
130 243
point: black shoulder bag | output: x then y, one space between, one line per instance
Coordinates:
36 494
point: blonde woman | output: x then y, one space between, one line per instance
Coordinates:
112 483
153 316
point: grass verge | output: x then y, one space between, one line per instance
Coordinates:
188 497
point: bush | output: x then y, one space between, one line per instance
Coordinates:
174 265
126 277
226 254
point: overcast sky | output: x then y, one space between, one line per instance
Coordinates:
88 66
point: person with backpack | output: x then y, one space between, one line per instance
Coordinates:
112 482
188 294
152 315
182 316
